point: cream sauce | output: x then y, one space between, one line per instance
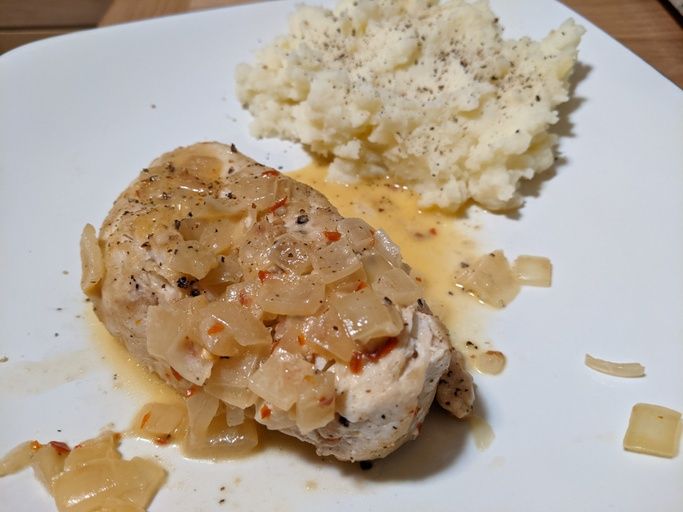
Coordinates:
432 242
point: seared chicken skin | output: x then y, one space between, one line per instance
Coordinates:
230 280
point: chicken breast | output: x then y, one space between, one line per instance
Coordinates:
230 280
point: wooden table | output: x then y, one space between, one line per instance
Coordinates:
650 28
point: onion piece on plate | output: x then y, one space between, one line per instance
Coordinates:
91 258
91 476
533 270
628 370
654 430
18 458
490 279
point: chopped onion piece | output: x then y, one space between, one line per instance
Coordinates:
169 324
228 271
349 284
335 261
272 417
90 477
230 378
245 294
101 447
224 205
201 410
217 236
96 484
615 369
170 329
284 296
225 327
280 379
160 422
256 245
238 397
240 322
48 463
533 270
376 266
398 286
234 416
327 332
216 337
235 371
262 192
357 232
191 361
654 430
18 458
91 259
316 402
288 334
490 279
221 440
191 228
367 317
292 254
205 167
387 248
192 259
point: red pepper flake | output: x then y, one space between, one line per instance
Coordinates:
215 328
383 350
418 279
176 374
265 411
332 236
35 445
60 448
325 401
361 285
270 173
162 440
192 390
432 231
263 275
301 340
145 419
356 363
277 204
117 437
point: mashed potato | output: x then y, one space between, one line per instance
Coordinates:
427 94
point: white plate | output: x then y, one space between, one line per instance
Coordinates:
76 123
